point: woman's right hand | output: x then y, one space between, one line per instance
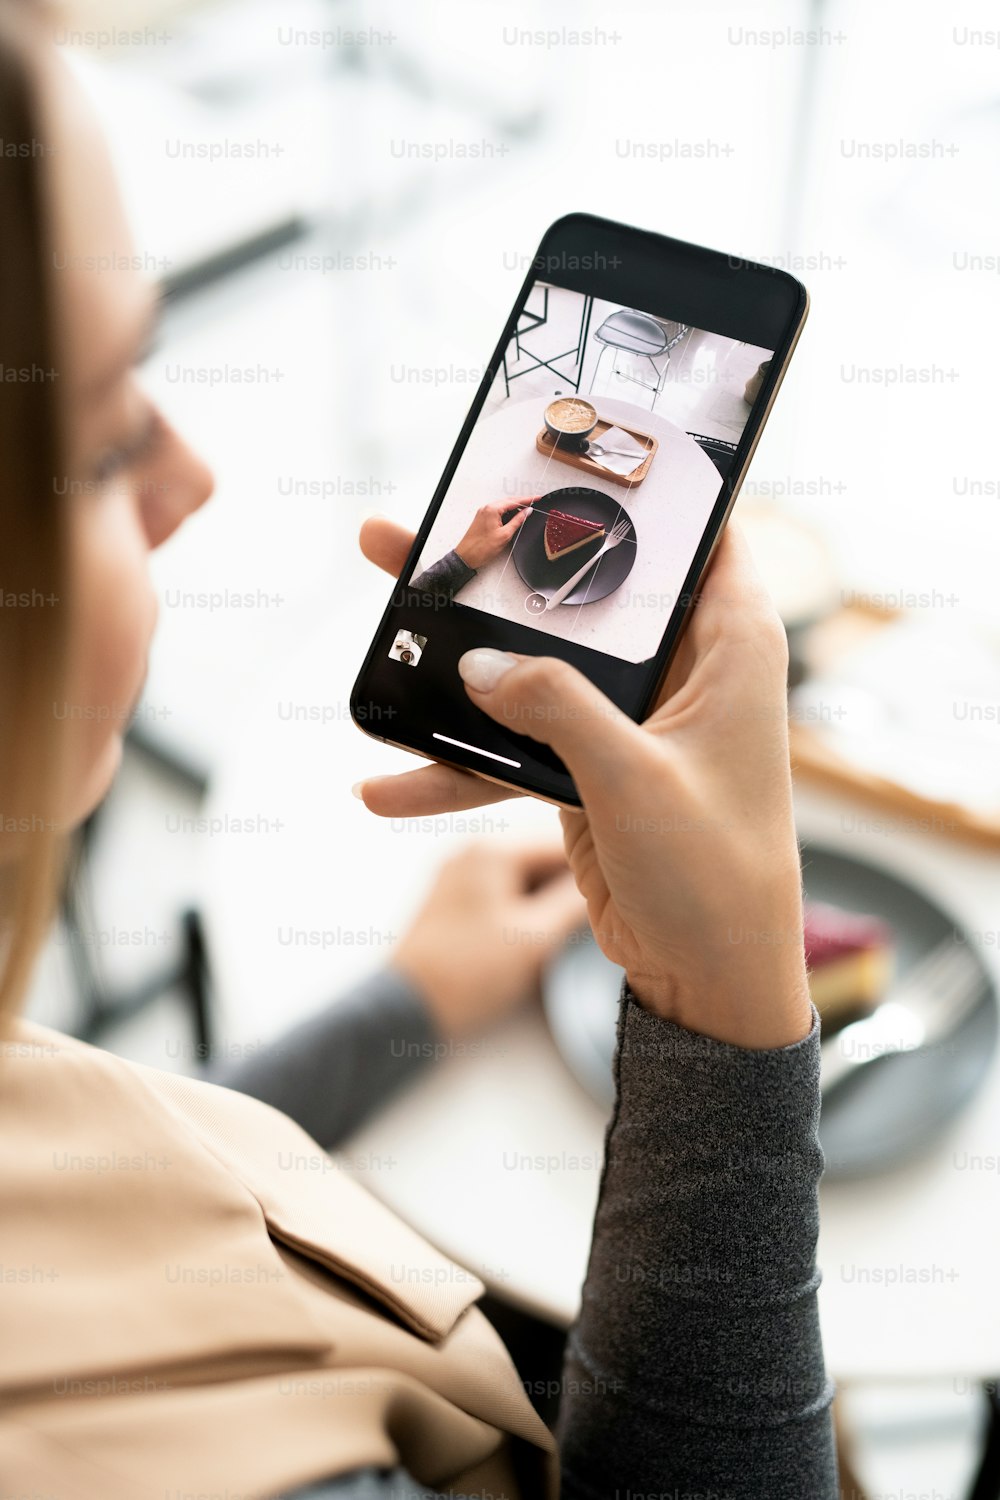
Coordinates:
685 852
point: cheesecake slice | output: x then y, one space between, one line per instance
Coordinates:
850 960
565 533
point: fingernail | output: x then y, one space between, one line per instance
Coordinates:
356 790
483 668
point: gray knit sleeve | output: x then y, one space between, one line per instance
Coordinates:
444 577
696 1363
332 1071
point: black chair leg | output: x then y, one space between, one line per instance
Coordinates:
987 1482
101 1008
196 980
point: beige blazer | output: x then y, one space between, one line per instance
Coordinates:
194 1301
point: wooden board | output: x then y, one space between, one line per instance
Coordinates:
547 444
815 762
813 759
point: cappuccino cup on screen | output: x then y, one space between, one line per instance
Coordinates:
569 421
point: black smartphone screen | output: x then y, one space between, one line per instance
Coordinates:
597 464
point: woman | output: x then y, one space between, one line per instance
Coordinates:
195 1301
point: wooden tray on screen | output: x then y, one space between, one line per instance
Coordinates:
815 761
547 444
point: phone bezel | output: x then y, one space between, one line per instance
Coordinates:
700 262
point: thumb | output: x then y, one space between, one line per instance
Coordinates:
551 702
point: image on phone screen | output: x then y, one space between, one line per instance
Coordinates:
577 506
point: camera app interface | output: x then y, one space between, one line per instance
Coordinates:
592 472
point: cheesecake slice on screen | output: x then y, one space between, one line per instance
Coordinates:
565 533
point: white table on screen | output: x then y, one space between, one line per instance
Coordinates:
495 1154
669 510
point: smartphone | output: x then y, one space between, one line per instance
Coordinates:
592 477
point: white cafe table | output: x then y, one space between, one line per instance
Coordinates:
494 1153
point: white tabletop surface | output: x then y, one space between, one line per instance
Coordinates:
669 510
494 1154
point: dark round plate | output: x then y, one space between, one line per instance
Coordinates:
545 577
891 1109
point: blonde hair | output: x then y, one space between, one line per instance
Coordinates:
34 571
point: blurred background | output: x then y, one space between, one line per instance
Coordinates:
343 200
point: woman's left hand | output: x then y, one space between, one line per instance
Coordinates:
495 914
489 534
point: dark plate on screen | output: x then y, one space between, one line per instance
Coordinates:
544 577
891 1109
